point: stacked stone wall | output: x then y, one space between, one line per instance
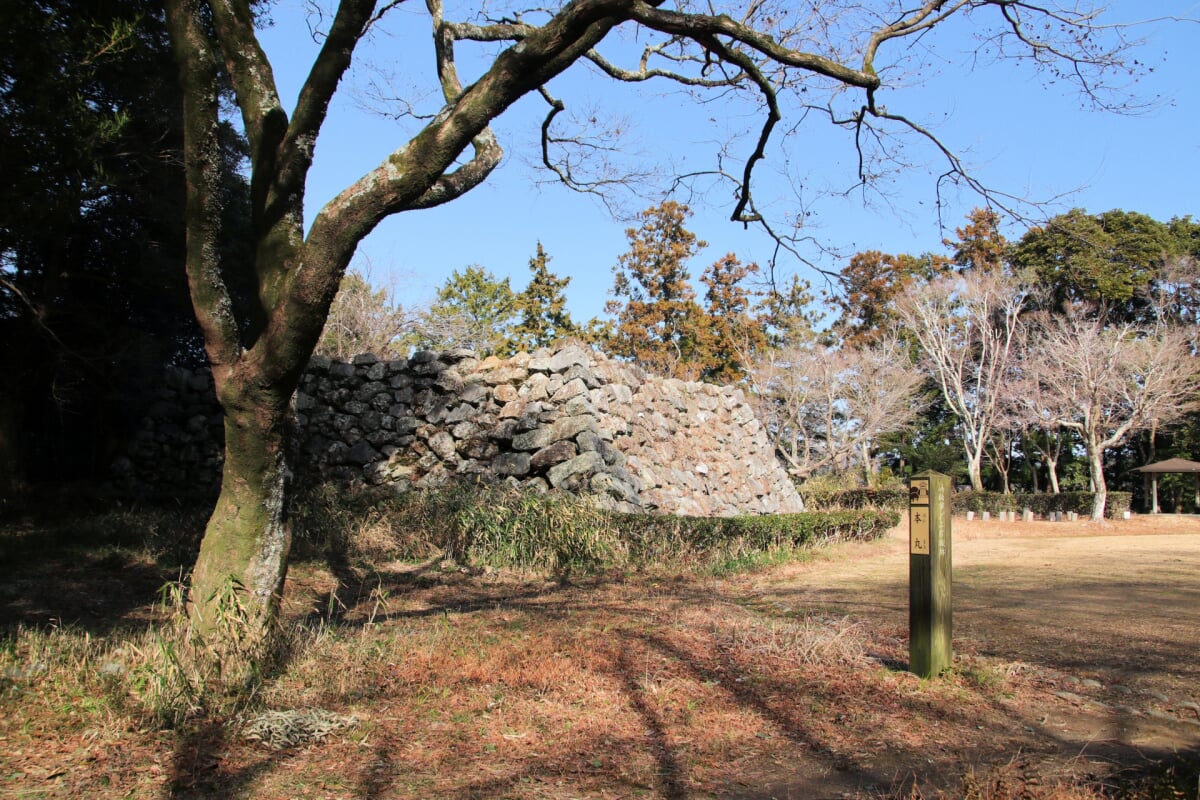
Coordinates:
568 419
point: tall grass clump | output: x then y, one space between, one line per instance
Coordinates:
478 524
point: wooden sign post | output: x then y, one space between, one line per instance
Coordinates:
929 575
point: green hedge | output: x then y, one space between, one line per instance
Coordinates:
896 498
553 533
1041 504
665 537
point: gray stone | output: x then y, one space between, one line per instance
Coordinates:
568 357
362 453
511 464
449 381
473 393
504 429
570 389
580 404
556 453
464 430
461 412
505 375
478 448
582 464
563 428
579 372
422 357
442 444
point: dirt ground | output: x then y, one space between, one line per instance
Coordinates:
1077 665
1104 615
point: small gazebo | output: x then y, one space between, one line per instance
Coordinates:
1150 474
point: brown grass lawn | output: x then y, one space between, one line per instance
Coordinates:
1076 675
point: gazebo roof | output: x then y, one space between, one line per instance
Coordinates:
1171 465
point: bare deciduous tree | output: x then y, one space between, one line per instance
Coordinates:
966 326
364 319
825 407
1108 381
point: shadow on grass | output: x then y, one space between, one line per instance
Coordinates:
96 570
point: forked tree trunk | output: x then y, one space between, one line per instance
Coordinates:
248 537
975 470
1052 474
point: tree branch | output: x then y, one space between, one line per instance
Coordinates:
211 300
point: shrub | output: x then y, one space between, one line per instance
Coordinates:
895 497
1040 504
474 524
557 533
661 538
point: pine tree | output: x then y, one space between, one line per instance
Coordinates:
786 316
542 307
980 244
871 283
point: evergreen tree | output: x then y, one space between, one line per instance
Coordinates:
658 321
542 307
93 299
980 244
870 284
474 310
786 317
1108 258
731 337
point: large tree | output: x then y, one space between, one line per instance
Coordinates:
473 309
258 346
870 283
827 407
92 300
1110 258
542 307
658 320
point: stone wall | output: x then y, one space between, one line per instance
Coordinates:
570 419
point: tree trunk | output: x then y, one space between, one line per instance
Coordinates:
244 554
12 462
1096 465
975 470
868 465
1052 474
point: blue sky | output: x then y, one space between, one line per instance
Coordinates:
1018 134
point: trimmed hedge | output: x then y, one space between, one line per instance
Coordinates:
554 533
896 498
1041 504
663 537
